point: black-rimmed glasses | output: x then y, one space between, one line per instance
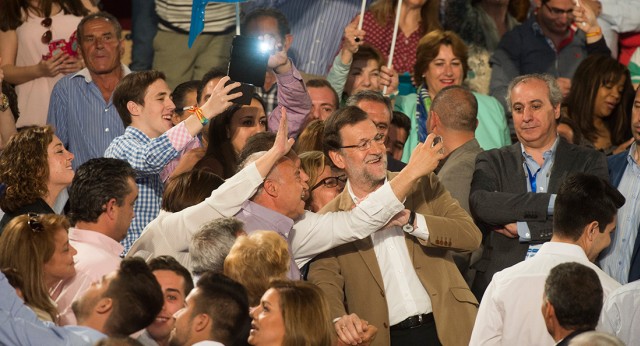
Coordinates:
365 145
330 182
557 12
34 223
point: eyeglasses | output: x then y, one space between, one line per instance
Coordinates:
365 145
557 12
34 223
330 182
46 37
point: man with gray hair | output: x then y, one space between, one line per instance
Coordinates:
210 246
514 188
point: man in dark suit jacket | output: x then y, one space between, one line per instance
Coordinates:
513 188
619 260
402 280
572 301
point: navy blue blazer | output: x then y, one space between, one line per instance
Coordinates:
617 164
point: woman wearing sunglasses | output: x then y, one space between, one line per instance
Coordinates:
37 47
324 182
37 247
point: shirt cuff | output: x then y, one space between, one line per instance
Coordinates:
523 231
292 76
552 202
421 230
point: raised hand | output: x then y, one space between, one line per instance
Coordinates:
278 61
220 98
389 78
351 41
282 144
425 157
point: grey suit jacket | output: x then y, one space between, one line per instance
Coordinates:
499 196
457 171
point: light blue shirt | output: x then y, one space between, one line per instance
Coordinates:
83 121
19 325
616 259
538 178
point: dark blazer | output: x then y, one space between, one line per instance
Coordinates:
617 165
499 196
350 276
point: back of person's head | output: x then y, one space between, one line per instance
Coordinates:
136 298
95 183
310 138
212 243
575 292
26 244
554 92
323 83
105 16
429 48
457 108
261 141
283 23
595 339
214 73
133 87
255 260
305 312
594 72
349 115
225 301
24 167
582 199
171 264
188 189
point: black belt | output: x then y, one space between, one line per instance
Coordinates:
414 321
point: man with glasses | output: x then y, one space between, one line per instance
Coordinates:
401 279
380 111
554 40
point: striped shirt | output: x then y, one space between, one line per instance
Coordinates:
616 259
317 27
175 15
83 121
148 157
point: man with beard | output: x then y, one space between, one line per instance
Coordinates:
176 283
215 313
121 303
401 279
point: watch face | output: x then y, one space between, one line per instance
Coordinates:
407 228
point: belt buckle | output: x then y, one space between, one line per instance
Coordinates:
420 319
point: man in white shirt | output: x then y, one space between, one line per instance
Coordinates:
400 279
583 220
620 314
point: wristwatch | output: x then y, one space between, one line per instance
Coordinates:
4 102
409 226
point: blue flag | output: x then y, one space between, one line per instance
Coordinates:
197 17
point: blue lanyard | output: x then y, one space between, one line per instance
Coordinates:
532 178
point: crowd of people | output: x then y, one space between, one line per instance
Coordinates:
476 184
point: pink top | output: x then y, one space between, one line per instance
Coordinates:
98 255
404 56
33 96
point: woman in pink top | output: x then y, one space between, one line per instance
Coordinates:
37 47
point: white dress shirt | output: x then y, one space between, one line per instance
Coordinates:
510 312
621 315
